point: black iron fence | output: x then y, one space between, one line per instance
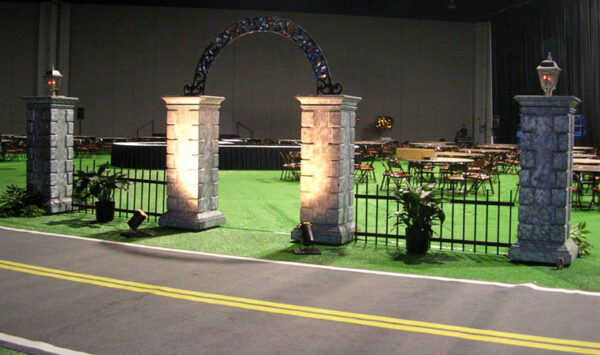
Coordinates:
147 191
474 222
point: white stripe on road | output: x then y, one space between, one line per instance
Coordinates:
31 346
325 267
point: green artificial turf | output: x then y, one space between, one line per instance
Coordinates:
261 210
4 351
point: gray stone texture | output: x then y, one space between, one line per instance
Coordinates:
50 150
192 162
545 179
327 170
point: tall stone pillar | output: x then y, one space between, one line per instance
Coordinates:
50 150
327 170
545 180
192 162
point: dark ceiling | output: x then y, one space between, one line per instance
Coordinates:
445 10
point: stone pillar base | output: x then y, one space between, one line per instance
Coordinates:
544 253
192 221
59 205
330 234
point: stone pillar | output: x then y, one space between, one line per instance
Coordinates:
327 170
50 150
192 162
545 180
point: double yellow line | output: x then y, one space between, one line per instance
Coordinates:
491 336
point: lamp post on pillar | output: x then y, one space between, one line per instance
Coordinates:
50 145
545 177
53 79
548 72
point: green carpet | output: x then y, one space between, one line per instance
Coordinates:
261 210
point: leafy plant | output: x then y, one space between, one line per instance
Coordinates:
18 202
100 184
578 233
420 209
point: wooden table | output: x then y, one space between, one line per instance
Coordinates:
584 149
498 146
460 155
485 151
370 143
434 145
586 168
579 161
289 141
444 160
584 155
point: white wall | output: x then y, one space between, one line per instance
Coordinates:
124 58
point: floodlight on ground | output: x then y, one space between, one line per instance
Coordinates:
53 79
307 239
548 72
134 222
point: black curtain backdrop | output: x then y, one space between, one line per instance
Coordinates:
523 35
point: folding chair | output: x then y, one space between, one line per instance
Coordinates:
365 169
395 172
423 172
479 178
456 175
289 169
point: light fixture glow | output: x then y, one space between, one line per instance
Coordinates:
53 79
548 72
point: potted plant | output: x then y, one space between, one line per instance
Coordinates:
100 184
419 211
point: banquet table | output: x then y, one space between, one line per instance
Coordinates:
485 151
578 168
498 146
460 155
433 145
584 155
446 160
584 149
580 161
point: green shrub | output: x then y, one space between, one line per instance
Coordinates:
578 235
17 202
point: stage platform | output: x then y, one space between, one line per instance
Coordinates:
152 155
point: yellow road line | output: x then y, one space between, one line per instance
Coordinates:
484 335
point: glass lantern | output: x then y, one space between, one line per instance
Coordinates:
53 79
548 73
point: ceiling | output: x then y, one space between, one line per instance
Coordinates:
445 10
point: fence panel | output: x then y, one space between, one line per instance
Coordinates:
474 222
147 191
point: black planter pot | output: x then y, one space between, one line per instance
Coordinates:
417 240
105 211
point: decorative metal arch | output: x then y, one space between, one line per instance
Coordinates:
271 24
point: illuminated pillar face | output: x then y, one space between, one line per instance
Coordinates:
327 167
192 162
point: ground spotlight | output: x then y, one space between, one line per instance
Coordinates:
134 222
307 238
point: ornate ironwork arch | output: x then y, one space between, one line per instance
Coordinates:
271 24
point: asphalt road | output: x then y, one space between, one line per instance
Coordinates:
109 298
